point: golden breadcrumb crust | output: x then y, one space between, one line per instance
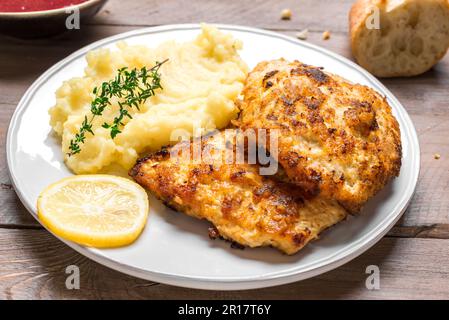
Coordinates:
244 206
335 138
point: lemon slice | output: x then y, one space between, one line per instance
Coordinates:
94 210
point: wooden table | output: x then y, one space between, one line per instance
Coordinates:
413 258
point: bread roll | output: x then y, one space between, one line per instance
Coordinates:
413 35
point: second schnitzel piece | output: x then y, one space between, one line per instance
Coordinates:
335 138
244 206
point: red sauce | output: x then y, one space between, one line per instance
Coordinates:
35 5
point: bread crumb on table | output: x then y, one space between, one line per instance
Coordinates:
326 35
286 14
437 156
302 35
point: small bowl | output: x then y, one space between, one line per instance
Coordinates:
40 24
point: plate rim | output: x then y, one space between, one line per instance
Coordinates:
234 283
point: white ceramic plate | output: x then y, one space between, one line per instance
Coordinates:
174 248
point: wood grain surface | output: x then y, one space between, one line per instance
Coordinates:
415 254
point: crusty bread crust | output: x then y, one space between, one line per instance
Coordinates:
358 14
413 36
357 17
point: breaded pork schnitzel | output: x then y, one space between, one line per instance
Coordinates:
244 206
335 138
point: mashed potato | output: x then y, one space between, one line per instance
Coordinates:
200 82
